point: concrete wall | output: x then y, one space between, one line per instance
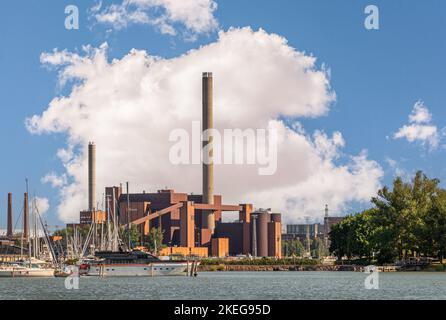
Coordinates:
187 225
234 232
220 247
184 251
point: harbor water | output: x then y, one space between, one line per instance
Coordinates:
233 286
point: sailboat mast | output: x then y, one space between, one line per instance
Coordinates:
36 251
26 219
128 216
94 236
109 239
34 226
66 244
21 247
115 223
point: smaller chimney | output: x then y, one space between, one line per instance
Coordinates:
9 233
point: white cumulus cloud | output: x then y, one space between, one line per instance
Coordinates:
420 128
42 204
129 107
55 180
420 113
195 16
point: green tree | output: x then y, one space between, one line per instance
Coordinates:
434 227
134 235
402 214
338 240
407 220
286 248
318 249
352 236
155 240
81 230
292 247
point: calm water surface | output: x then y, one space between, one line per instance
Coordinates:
235 285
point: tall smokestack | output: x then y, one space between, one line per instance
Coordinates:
92 177
208 166
25 218
9 233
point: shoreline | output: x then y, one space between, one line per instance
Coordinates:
263 268
304 268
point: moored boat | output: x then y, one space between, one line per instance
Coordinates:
134 264
27 269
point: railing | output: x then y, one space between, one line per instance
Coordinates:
415 262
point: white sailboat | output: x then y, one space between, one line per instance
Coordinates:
32 266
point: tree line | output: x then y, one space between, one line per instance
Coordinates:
408 220
295 248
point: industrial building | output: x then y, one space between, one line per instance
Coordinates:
311 231
190 223
184 220
302 231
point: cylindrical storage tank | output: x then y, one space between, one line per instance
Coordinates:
262 234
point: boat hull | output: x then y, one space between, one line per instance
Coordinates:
138 270
26 273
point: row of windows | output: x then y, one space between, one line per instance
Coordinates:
144 269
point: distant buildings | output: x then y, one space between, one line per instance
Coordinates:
312 231
89 217
301 231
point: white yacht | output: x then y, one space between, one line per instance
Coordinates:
27 269
134 264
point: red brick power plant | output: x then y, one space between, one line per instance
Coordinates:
195 221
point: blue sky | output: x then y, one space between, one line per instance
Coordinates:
377 75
